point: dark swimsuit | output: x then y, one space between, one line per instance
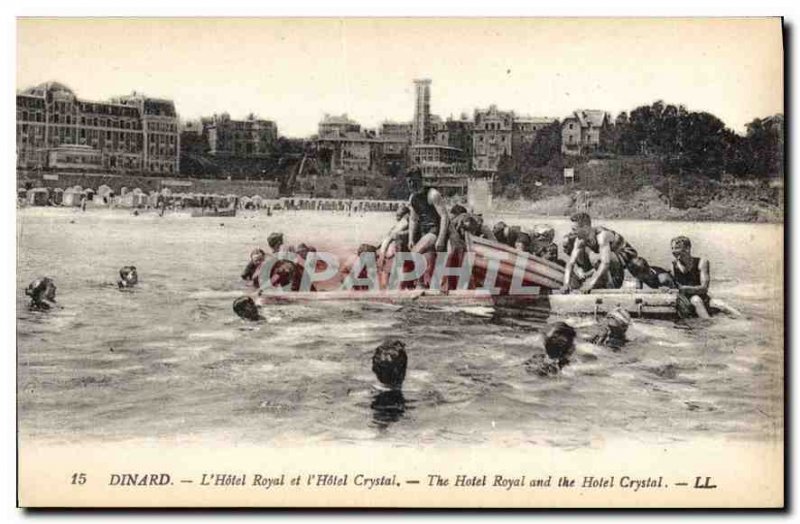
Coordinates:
621 254
428 218
690 277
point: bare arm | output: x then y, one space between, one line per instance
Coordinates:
412 227
605 260
436 200
576 249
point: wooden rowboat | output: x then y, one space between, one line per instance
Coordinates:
537 271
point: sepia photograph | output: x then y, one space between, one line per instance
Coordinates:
400 262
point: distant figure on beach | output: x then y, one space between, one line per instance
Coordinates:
653 277
246 308
615 254
83 203
389 363
43 294
692 276
559 345
128 277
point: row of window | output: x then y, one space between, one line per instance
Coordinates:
162 126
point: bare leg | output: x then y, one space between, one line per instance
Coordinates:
425 246
699 307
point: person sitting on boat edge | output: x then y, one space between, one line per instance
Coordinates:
542 236
506 234
42 292
615 254
692 276
428 221
653 277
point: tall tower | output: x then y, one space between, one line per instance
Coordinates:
421 129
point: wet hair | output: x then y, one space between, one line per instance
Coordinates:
366 248
389 363
275 239
42 289
246 308
128 276
681 242
257 251
581 218
457 209
559 340
498 227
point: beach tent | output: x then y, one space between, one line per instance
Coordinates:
123 190
38 196
258 202
137 191
77 189
244 202
22 193
89 192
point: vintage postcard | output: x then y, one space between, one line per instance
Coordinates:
376 262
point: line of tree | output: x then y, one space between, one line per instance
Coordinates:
686 143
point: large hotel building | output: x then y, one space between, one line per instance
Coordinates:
133 133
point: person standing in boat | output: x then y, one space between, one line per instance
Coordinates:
428 220
692 276
615 254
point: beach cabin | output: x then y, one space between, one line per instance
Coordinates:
38 196
58 196
71 198
105 194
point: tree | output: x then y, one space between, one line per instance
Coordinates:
765 143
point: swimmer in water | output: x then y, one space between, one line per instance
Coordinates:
251 271
611 332
275 242
559 345
389 363
128 277
246 308
653 277
42 292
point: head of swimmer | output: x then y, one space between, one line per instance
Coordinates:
257 256
581 225
559 341
128 277
42 290
389 363
618 320
275 241
246 308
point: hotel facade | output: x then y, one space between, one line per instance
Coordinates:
130 134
